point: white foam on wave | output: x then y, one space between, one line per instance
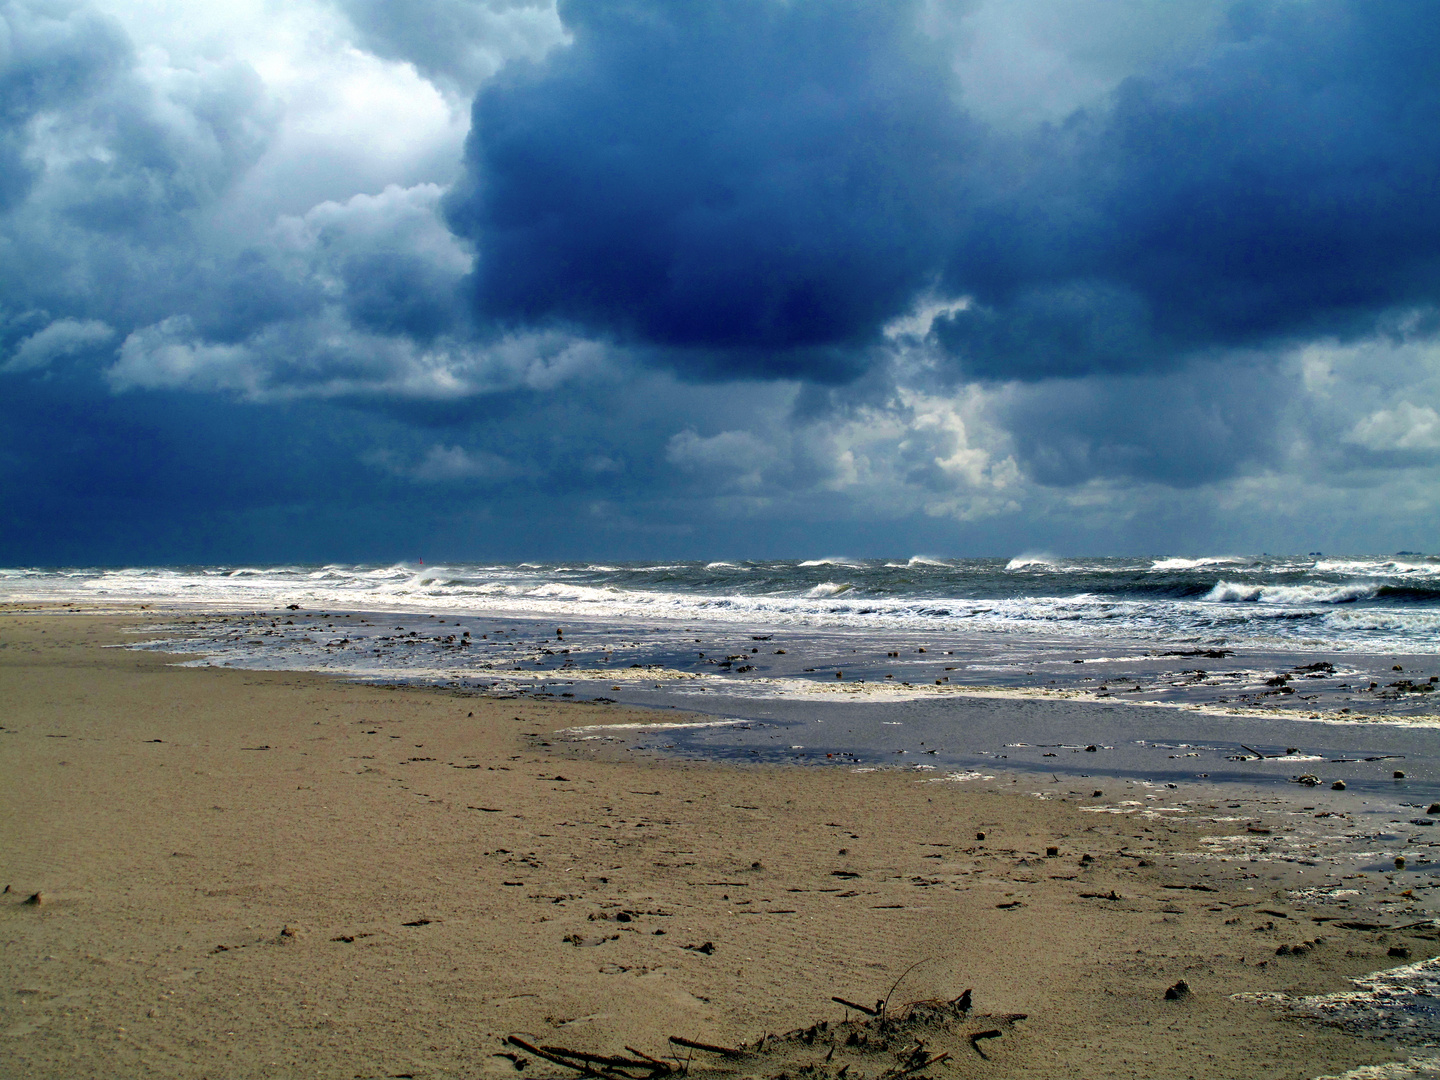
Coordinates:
1032 560
1316 615
1422 624
1229 592
1378 567
1193 564
837 560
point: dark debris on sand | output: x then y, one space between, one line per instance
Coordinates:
874 1044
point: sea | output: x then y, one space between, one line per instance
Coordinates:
1012 622
1232 666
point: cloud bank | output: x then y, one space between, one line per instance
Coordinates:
966 277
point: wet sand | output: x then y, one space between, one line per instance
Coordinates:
281 874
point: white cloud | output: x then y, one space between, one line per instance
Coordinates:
62 338
344 119
1023 62
397 219
326 357
917 452
443 464
740 457
933 452
1405 427
166 356
918 323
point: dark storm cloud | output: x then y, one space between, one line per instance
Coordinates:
240 316
758 187
47 63
759 184
1182 428
1284 186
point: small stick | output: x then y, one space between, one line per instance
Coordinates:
515 1040
886 1003
598 1059
657 1062
858 1008
925 1064
1427 924
1253 751
693 1045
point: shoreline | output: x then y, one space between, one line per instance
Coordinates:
199 891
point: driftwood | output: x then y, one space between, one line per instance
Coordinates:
649 1064
515 1040
880 1044
710 1048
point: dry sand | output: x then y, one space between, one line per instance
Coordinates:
270 875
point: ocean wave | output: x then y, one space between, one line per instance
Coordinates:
1415 593
1421 625
1268 601
1193 564
1027 561
838 560
1378 568
1229 592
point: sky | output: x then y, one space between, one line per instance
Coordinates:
356 280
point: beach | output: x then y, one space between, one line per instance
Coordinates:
240 873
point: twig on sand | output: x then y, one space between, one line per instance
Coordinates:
653 1060
898 1043
921 1061
650 1064
530 1048
708 1047
885 1004
596 1065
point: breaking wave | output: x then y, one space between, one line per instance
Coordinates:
1380 603
1026 562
